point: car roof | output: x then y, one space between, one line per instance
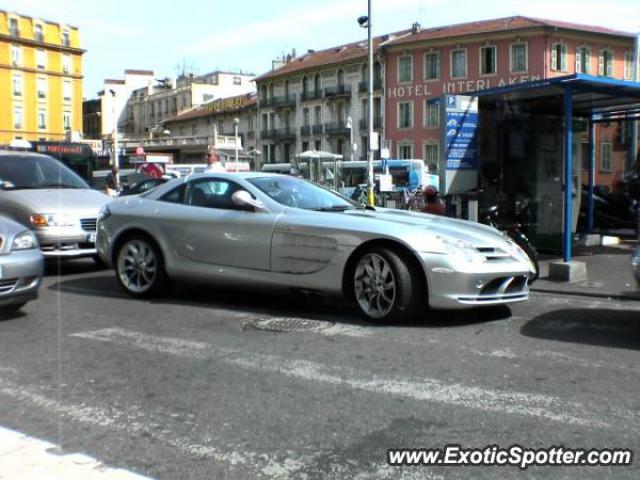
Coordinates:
235 175
21 153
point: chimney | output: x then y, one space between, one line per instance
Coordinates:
416 28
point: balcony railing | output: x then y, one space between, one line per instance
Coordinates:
305 131
312 95
337 91
39 37
14 32
251 134
220 141
317 129
377 123
279 102
336 128
363 86
284 134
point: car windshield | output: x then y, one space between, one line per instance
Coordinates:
26 172
293 192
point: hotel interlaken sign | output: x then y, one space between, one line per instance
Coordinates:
454 87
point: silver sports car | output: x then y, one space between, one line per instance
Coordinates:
276 231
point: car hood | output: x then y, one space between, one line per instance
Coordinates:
80 202
402 220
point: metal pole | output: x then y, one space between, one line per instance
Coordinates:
370 107
592 174
236 121
116 159
568 173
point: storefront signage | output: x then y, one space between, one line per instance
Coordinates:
461 132
224 104
458 86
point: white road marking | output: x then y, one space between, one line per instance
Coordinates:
424 389
24 457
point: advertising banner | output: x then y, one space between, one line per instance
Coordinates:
461 132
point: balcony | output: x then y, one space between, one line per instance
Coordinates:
305 131
251 134
338 91
283 101
377 86
377 123
336 128
309 96
14 31
39 37
316 130
220 141
284 134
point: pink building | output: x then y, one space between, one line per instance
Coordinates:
425 64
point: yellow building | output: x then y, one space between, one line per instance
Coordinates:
40 79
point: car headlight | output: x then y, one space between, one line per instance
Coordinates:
104 213
24 241
461 249
51 220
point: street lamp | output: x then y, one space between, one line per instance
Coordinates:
365 22
236 122
116 161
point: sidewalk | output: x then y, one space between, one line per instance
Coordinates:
608 270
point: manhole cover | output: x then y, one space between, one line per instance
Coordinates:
281 324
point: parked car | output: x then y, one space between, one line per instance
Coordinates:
142 186
635 265
277 231
21 265
56 204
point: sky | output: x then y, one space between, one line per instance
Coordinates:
201 36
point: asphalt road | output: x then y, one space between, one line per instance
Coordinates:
208 384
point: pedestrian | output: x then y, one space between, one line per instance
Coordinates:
213 162
432 202
112 182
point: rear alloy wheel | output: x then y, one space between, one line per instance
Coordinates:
382 286
139 267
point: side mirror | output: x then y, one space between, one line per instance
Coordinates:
242 198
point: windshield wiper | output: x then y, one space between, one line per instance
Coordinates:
335 208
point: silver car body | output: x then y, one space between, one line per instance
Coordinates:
20 270
79 205
285 247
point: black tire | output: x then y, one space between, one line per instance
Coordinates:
13 308
129 268
368 286
100 264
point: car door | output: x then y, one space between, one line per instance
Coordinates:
204 225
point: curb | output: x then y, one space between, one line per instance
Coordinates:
633 298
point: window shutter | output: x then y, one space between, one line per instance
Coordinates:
563 63
610 65
601 64
554 58
578 60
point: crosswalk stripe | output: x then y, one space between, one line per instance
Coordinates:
425 389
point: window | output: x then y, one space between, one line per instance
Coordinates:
317 115
237 81
605 157
265 123
431 156
316 84
340 78
584 150
583 60
405 151
17 85
405 115
41 59
38 34
16 55
459 63
605 66
66 120
432 65
305 146
66 90
519 57
628 66
13 27
66 64
305 117
17 117
41 86
65 38
405 68
559 57
42 119
488 60
431 113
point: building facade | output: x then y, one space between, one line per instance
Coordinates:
427 64
40 79
318 101
148 107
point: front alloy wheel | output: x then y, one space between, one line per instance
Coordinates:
139 267
383 286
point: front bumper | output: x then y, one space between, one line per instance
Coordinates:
451 287
66 242
20 276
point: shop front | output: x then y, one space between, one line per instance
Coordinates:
80 157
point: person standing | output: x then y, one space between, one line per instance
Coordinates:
213 162
112 182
